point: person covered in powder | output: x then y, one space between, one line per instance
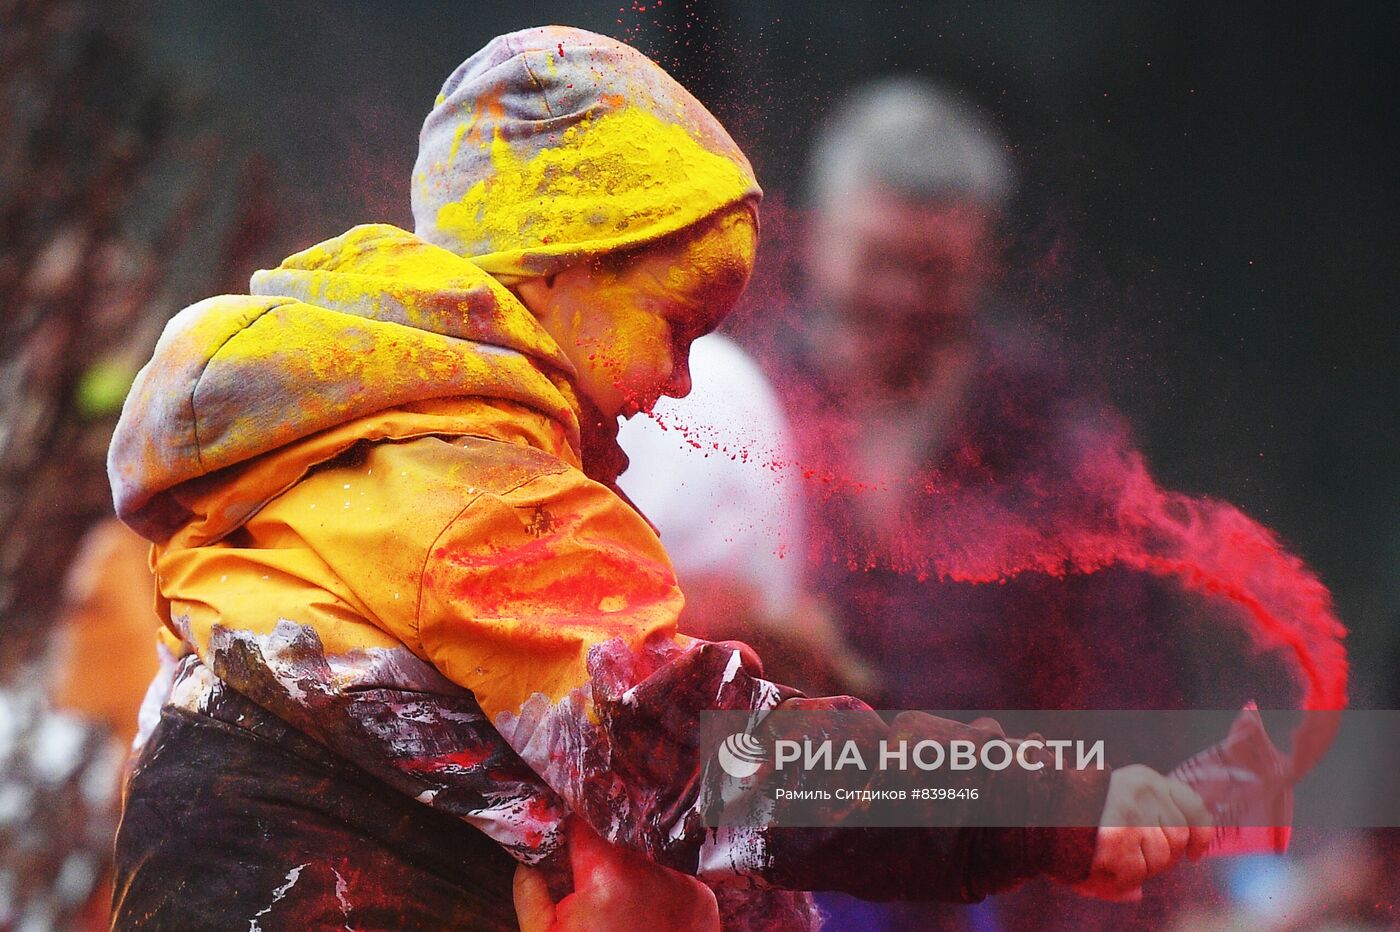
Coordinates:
413 632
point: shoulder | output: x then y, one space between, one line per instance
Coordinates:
485 488
469 464
406 493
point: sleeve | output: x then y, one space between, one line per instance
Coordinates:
555 605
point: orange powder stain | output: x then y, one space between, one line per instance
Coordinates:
487 107
510 582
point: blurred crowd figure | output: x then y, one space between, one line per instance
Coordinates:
928 392
108 624
64 740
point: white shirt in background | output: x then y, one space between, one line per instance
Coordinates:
730 511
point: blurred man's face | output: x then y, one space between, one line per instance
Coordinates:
903 276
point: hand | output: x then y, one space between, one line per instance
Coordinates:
1148 823
615 890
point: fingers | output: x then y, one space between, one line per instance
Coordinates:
1101 889
747 657
1189 803
1132 866
1156 852
605 867
616 890
589 855
606 877
1175 832
1120 862
534 909
1178 839
1179 814
1202 837
1124 896
1149 823
1197 817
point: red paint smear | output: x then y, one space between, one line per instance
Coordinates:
466 759
566 573
1100 509
540 809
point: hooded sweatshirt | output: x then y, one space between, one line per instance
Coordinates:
381 510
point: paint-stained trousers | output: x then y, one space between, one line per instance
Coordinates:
254 826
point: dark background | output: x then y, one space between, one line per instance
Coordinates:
1208 203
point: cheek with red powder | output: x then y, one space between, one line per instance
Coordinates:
629 356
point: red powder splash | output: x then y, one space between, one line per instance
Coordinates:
462 760
1090 505
1207 547
1118 516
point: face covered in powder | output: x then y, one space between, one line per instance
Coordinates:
626 321
903 276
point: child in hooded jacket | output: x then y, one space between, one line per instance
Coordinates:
389 548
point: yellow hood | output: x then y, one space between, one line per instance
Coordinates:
554 144
363 336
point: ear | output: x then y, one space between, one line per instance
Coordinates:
535 293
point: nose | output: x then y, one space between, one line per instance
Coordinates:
678 385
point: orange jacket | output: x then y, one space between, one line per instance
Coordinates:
337 470
364 483
473 538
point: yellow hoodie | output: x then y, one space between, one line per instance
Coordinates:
457 540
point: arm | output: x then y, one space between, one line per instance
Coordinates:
555 605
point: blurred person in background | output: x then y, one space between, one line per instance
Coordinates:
926 399
64 734
103 651
902 340
926 403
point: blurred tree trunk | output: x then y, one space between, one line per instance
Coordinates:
101 201
113 212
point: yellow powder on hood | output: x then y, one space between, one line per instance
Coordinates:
615 181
